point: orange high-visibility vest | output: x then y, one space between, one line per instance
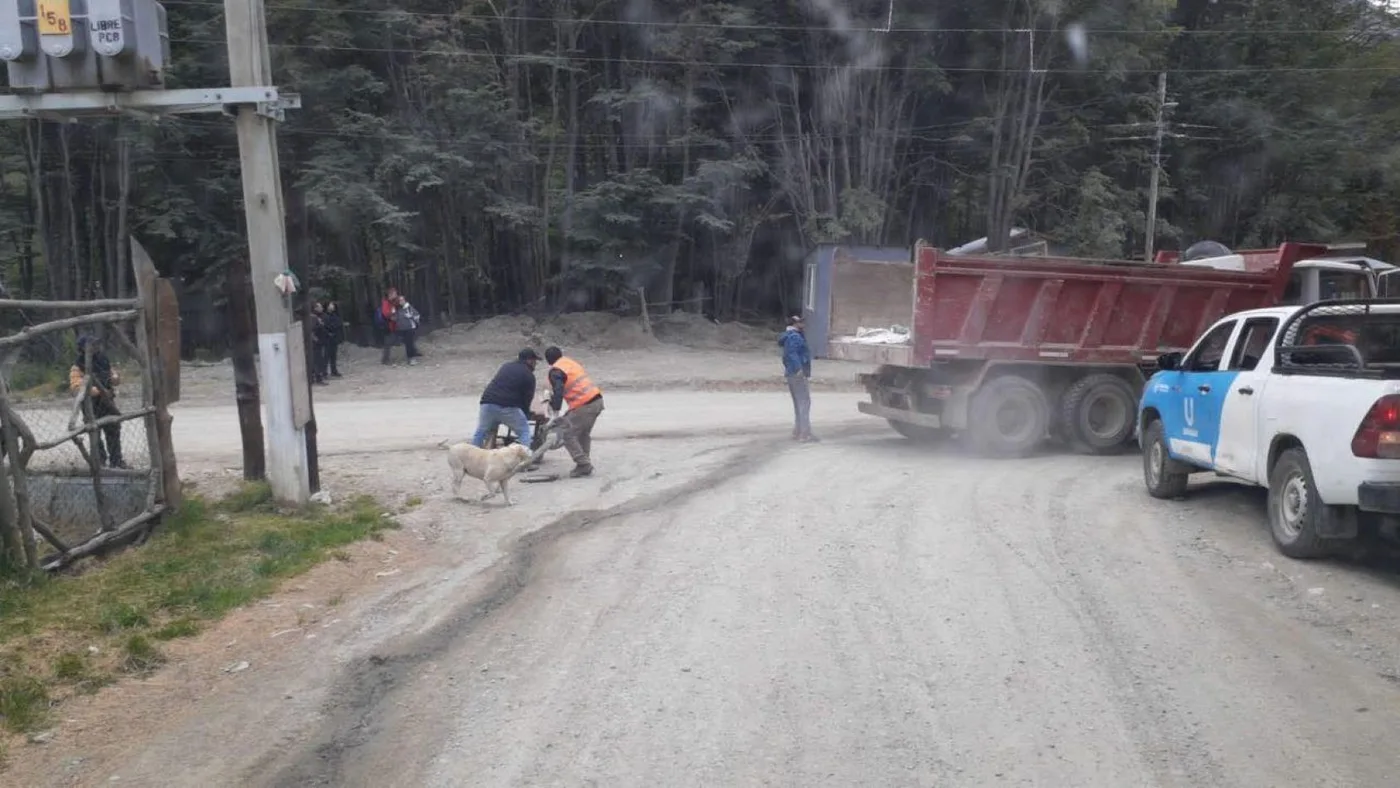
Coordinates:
578 389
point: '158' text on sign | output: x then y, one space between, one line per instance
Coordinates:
54 19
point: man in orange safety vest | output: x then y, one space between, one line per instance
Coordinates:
568 382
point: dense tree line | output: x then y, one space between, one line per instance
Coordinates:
489 155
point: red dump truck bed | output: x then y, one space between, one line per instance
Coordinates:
1006 351
1064 310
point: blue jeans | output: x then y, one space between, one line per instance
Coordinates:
490 416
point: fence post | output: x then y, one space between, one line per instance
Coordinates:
11 547
148 292
9 432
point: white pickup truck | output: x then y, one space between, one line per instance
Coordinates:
1304 401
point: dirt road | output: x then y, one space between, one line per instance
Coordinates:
734 610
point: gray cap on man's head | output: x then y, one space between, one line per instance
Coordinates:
529 354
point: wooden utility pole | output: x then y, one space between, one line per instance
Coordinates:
1151 230
281 361
244 328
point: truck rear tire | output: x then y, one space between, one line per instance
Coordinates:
1163 475
918 432
1008 417
1098 413
1296 514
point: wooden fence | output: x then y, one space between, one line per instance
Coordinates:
88 474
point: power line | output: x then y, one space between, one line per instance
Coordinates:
543 58
641 23
594 142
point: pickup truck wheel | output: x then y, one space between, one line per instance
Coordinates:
917 432
1295 510
1098 413
1162 474
1009 416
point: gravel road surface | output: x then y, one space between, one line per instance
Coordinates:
725 608
374 425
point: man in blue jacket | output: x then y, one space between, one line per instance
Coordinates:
797 368
507 399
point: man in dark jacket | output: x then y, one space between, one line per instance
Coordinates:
335 334
101 396
320 341
797 369
507 399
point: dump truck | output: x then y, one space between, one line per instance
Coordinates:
1006 352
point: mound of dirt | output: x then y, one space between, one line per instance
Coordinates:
500 333
578 330
596 330
701 333
602 331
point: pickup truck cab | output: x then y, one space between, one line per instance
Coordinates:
1301 400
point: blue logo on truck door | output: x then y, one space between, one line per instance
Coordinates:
1190 404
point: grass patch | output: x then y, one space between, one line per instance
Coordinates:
30 380
69 634
24 703
140 656
69 666
179 628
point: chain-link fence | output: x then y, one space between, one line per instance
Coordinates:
78 408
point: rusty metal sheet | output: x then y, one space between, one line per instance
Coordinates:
296 361
167 339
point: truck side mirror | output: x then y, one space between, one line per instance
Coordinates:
1169 361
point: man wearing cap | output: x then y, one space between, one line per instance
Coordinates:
797 368
507 399
102 396
568 382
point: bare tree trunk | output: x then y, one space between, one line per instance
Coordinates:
34 143
119 288
1019 103
73 254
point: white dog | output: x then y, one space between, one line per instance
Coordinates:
495 467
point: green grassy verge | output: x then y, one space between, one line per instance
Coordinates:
28 380
65 635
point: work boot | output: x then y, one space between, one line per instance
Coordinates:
580 471
809 439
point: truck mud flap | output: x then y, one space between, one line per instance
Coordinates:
899 414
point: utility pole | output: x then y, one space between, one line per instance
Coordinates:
1151 230
282 362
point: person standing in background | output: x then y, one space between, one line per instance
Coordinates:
406 324
386 317
101 394
319 342
797 368
335 334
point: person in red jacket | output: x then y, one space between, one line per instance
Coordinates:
388 311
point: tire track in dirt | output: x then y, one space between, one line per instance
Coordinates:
367 688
